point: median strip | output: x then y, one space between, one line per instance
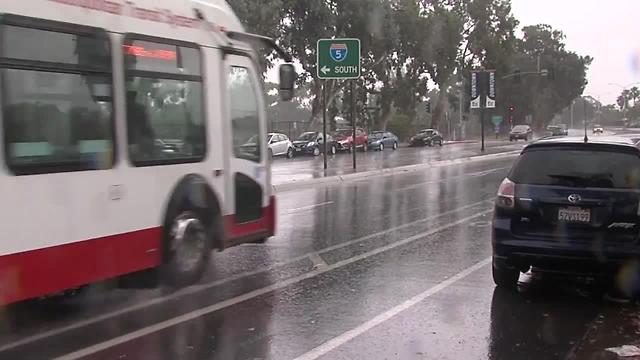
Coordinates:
328 180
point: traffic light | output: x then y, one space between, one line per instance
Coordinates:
427 106
511 108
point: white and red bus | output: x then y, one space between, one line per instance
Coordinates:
133 141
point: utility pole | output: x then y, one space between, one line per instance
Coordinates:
584 103
460 99
573 102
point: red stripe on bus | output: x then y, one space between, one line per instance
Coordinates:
45 271
50 270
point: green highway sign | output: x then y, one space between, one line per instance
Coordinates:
338 58
496 120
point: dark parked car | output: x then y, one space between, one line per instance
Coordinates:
379 140
311 143
426 137
344 139
568 206
521 132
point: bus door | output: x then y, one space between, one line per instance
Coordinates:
247 175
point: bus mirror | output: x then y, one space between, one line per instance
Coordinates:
287 81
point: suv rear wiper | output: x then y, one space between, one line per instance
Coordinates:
574 179
595 180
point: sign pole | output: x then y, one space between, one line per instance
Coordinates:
324 124
482 121
339 59
353 123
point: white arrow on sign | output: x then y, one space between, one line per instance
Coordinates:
325 70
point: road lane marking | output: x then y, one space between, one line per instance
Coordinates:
349 335
305 208
258 292
202 287
318 261
463 176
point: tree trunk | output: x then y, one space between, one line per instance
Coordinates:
332 90
385 116
316 106
439 109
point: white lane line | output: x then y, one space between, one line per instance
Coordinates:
202 287
463 176
255 293
305 208
347 336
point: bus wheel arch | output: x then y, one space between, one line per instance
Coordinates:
192 228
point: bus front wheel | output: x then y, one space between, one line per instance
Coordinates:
188 249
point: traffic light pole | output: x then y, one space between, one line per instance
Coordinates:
484 81
482 107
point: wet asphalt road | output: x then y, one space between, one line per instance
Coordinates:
393 267
307 166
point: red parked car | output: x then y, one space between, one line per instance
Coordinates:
344 138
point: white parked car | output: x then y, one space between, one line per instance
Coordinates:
598 129
280 145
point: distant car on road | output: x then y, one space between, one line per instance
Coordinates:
379 140
311 143
279 144
568 206
557 130
598 129
344 139
520 132
426 137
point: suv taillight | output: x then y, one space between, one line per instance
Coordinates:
506 194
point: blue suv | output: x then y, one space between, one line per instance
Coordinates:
568 205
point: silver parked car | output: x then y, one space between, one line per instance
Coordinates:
280 145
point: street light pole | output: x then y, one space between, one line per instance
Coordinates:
573 102
460 101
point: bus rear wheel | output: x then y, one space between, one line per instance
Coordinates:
188 250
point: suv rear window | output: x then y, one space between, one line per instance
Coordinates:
578 168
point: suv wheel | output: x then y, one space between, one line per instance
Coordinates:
395 145
505 278
316 151
381 147
333 150
290 153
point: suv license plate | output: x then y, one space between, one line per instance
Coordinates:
573 214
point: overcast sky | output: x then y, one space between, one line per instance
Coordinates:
609 31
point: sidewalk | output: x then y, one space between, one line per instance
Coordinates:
294 184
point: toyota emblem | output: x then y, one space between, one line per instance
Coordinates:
574 198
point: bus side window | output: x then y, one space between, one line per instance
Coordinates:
245 120
165 111
53 119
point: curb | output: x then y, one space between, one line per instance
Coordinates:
337 179
461 142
